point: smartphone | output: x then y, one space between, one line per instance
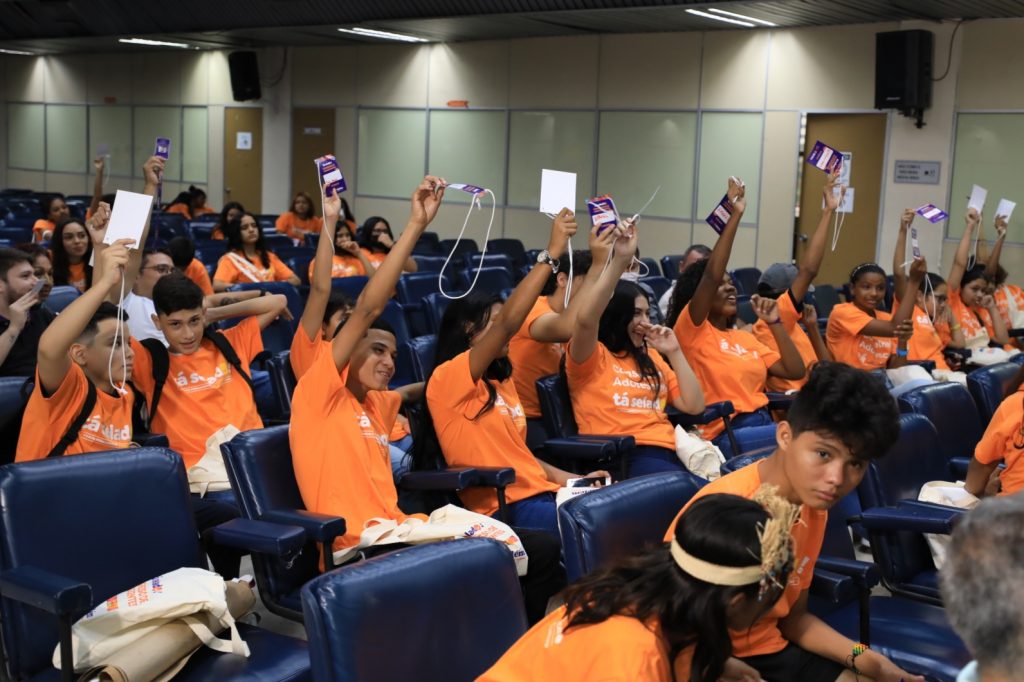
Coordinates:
38 286
163 148
587 482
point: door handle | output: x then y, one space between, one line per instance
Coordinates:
227 190
801 237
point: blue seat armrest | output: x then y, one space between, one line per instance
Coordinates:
153 440
47 591
833 587
866 574
260 537
623 444
958 467
576 447
318 527
908 518
711 413
780 401
443 479
495 477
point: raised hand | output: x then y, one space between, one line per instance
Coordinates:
1001 224
601 244
562 228
153 169
18 311
737 194
115 259
809 315
661 339
907 217
97 224
833 200
904 330
918 269
972 218
350 246
627 238
332 206
99 163
766 309
426 200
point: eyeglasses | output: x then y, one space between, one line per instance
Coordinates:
162 269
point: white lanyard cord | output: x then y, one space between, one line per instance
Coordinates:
440 276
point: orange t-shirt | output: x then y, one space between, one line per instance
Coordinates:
975 335
375 258
790 317
196 272
1001 440
845 324
730 364
808 533
497 438
926 343
304 351
342 266
202 393
619 648
76 276
236 268
340 450
180 209
531 359
297 228
609 398
1003 296
46 420
42 225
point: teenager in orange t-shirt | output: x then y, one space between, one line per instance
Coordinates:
231 212
535 350
70 251
617 384
249 259
789 285
183 254
1003 443
349 260
967 293
191 203
55 210
472 401
841 419
301 219
376 239
731 364
867 338
663 616
1009 298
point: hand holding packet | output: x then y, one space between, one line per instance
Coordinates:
603 213
163 148
332 182
825 158
720 215
931 213
476 193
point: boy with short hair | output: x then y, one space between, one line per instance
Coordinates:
841 419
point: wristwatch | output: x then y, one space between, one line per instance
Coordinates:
545 257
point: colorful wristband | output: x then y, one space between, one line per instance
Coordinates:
901 352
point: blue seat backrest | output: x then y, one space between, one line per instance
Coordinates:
950 408
745 279
276 240
282 380
658 284
111 520
350 286
670 266
423 349
513 248
429 240
493 280
14 394
988 387
556 407
460 598
394 316
294 300
621 520
61 297
429 263
445 246
413 287
825 299
914 459
434 306
472 261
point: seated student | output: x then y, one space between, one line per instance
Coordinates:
249 259
692 254
1009 298
981 589
788 285
616 383
473 405
840 420
71 251
54 211
191 203
42 266
348 217
865 337
664 616
967 294
183 254
535 350
138 301
299 220
349 260
376 239
931 318
1002 443
23 319
731 364
231 212
205 388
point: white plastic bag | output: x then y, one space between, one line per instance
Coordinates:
699 456
209 474
447 523
947 494
126 617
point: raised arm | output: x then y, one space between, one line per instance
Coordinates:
517 307
592 303
99 163
908 299
53 357
790 365
425 202
151 171
956 272
811 261
718 261
899 279
320 283
992 264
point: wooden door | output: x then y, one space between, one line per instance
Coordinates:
312 137
243 157
863 136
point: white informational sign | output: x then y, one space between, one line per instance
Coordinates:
243 140
844 170
847 205
557 191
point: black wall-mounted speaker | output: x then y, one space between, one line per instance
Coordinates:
245 75
903 70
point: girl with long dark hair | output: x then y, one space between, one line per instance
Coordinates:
616 383
70 248
376 239
301 219
249 259
974 310
666 615
231 212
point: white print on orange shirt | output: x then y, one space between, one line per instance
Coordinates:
106 434
634 380
872 348
196 382
795 578
366 425
923 320
515 411
735 349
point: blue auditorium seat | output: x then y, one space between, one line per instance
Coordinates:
988 386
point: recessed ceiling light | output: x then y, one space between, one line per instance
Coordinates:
153 43
744 17
18 52
718 18
386 35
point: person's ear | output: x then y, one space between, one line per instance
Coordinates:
77 353
562 279
156 322
783 435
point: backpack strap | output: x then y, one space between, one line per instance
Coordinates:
161 368
222 344
71 434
